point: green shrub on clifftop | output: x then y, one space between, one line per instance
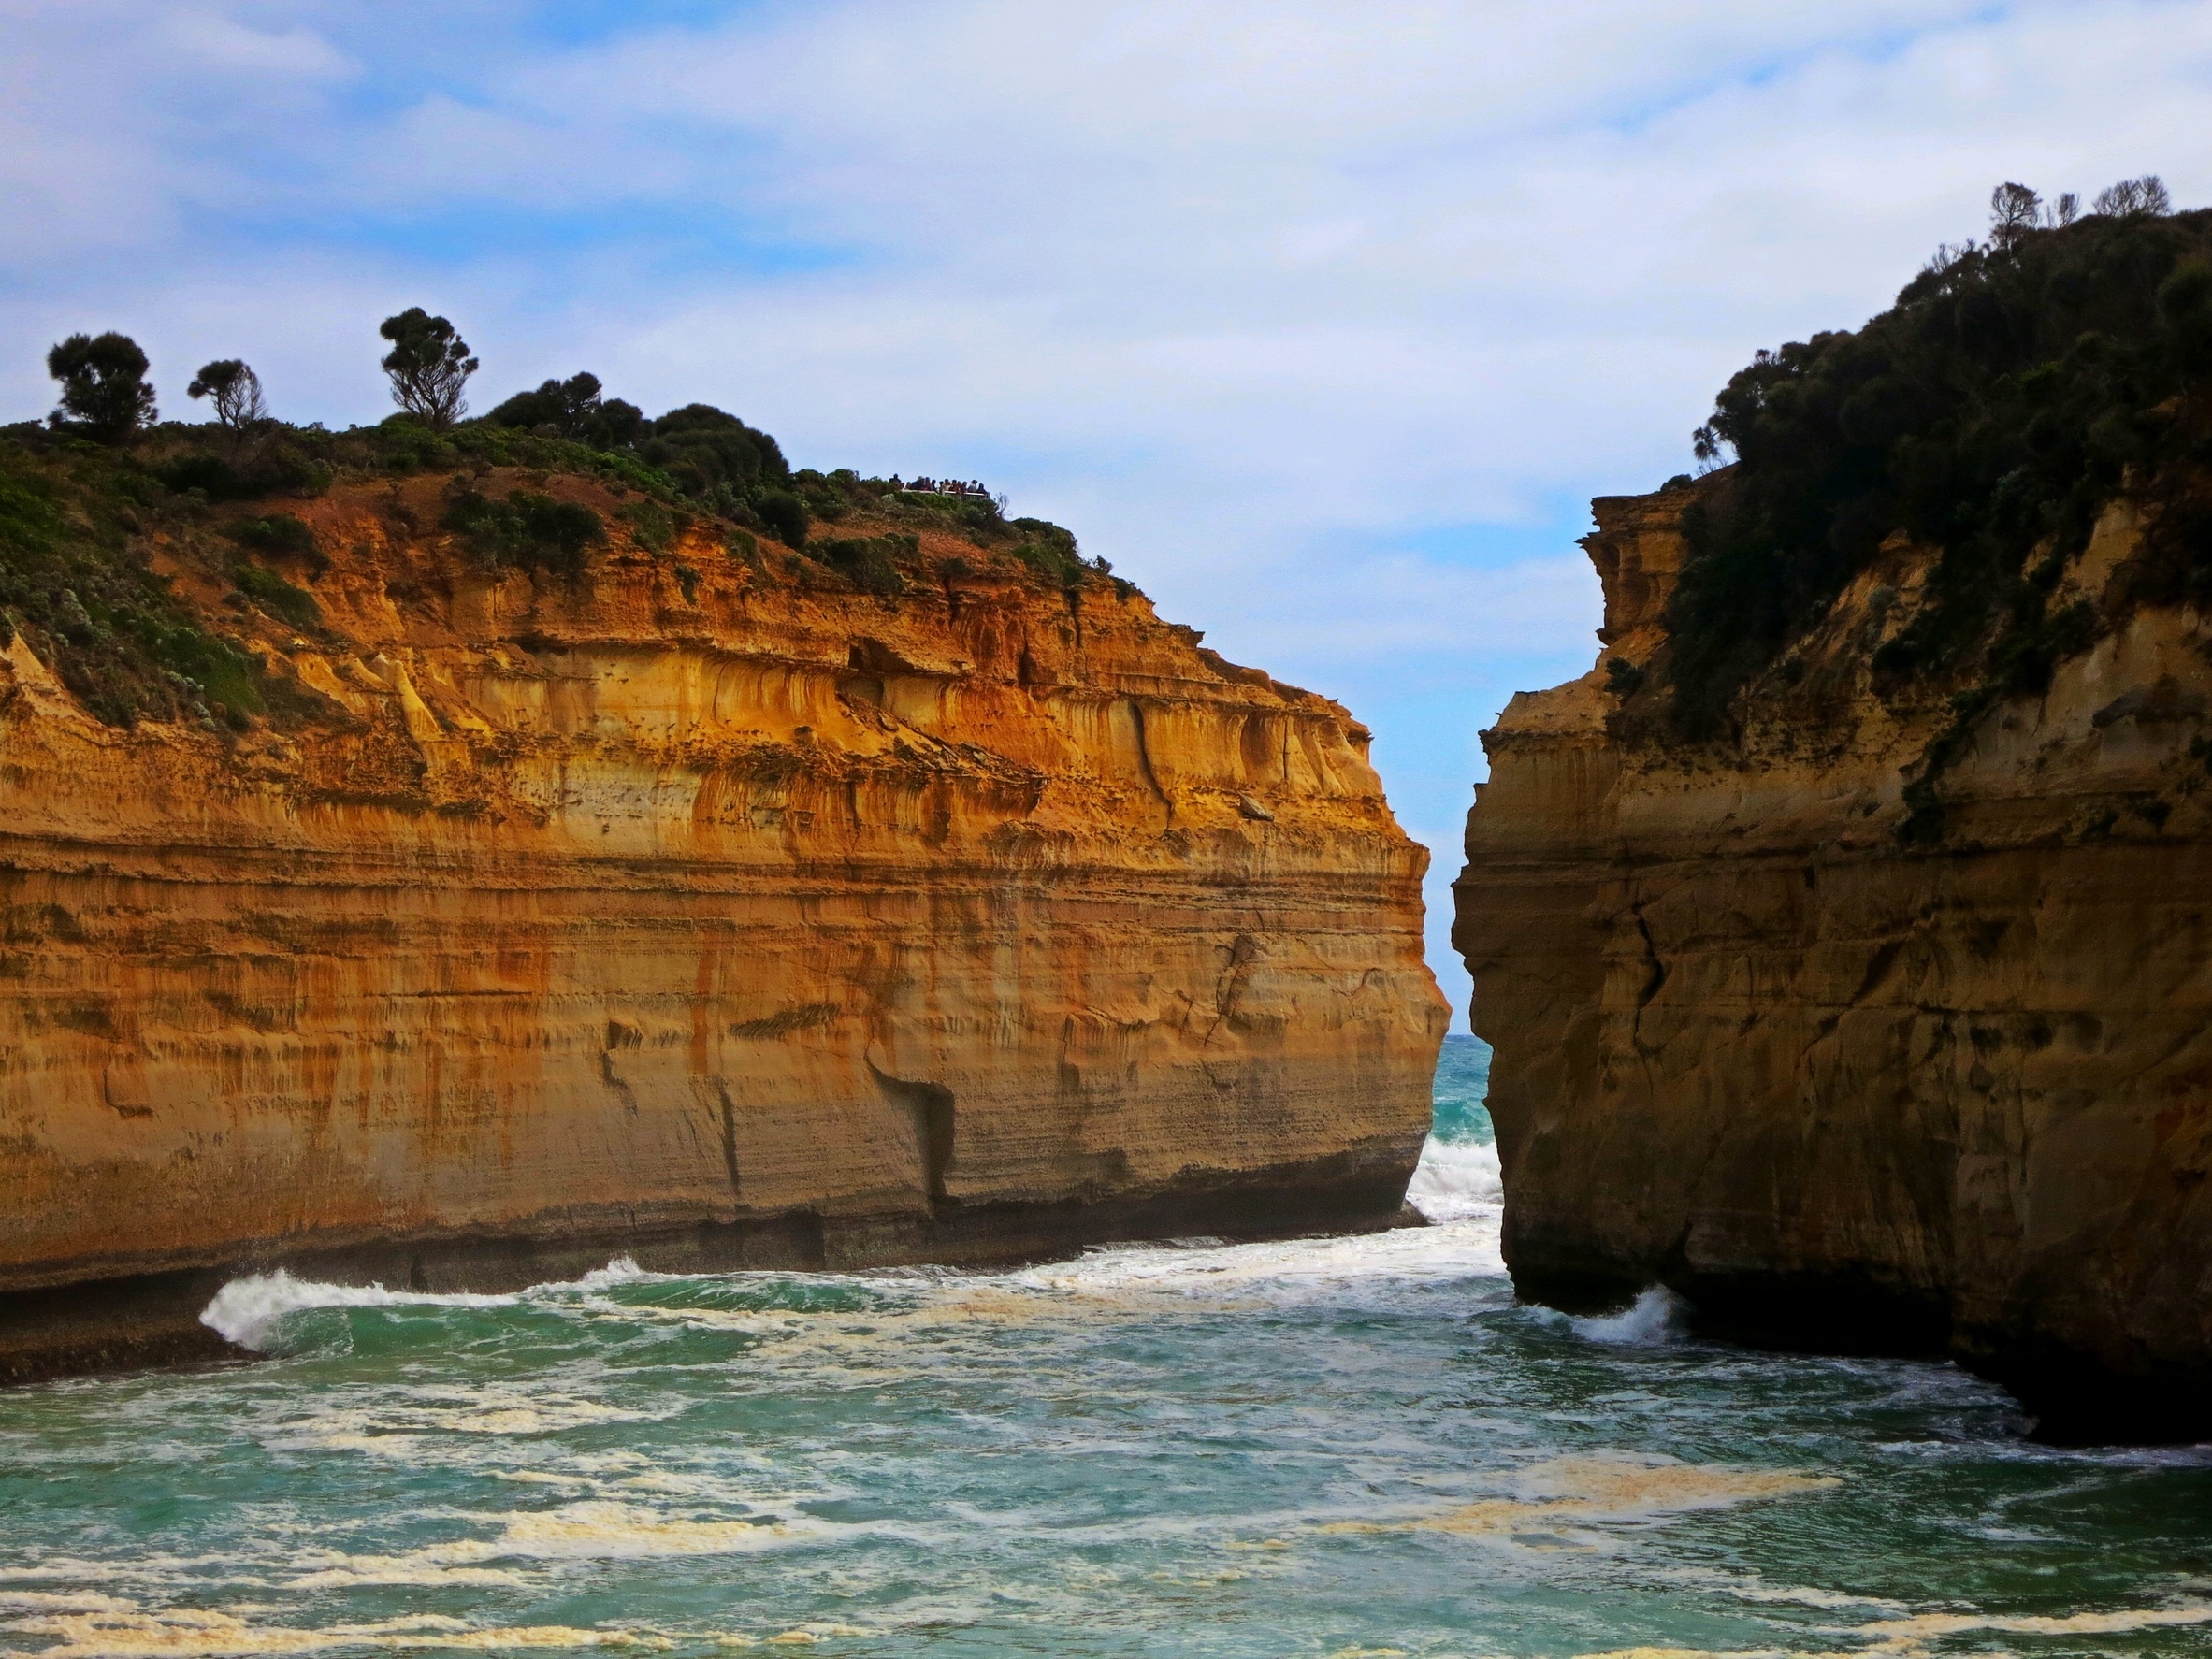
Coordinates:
74 589
278 597
1993 411
527 531
870 562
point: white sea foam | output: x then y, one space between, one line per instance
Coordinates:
2116 1622
1463 1244
592 1529
1613 1488
194 1633
1658 1316
1753 1588
623 1270
1455 1180
349 1571
600 1530
1280 1271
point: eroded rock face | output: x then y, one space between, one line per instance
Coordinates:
702 909
1839 1087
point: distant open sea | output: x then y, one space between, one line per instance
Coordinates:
1335 1446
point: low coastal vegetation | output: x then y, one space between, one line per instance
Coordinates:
2018 386
97 496
75 585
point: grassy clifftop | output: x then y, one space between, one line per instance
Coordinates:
101 547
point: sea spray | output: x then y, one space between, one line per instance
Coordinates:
1658 1316
248 1310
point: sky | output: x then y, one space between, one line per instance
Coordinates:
1321 320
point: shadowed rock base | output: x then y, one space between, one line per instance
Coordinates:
153 1318
2073 1399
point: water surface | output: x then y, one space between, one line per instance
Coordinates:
1328 1448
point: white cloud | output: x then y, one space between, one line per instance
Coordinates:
227 44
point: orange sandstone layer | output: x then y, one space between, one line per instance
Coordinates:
1843 1090
704 910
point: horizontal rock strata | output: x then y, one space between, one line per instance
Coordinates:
702 909
1839 1086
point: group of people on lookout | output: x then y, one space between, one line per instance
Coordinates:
940 486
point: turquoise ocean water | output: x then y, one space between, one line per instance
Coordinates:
1334 1446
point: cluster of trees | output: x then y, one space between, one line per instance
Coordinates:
1991 412
703 453
709 453
105 395
2016 211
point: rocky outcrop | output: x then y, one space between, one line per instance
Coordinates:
701 907
1843 1085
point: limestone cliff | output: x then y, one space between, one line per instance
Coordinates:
1838 1083
701 906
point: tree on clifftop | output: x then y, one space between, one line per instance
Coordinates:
2013 211
429 364
237 392
104 389
574 408
2134 198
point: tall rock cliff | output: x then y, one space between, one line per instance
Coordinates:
700 905
1844 1078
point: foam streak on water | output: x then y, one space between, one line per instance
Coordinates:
1320 1447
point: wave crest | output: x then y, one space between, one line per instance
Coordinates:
1658 1316
1455 1180
247 1310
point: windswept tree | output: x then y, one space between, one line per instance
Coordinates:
2013 211
2133 198
237 392
429 364
104 389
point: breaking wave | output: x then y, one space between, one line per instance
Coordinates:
247 1310
1455 1180
1657 1316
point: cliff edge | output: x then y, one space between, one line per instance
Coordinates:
660 890
1840 1088
1860 987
